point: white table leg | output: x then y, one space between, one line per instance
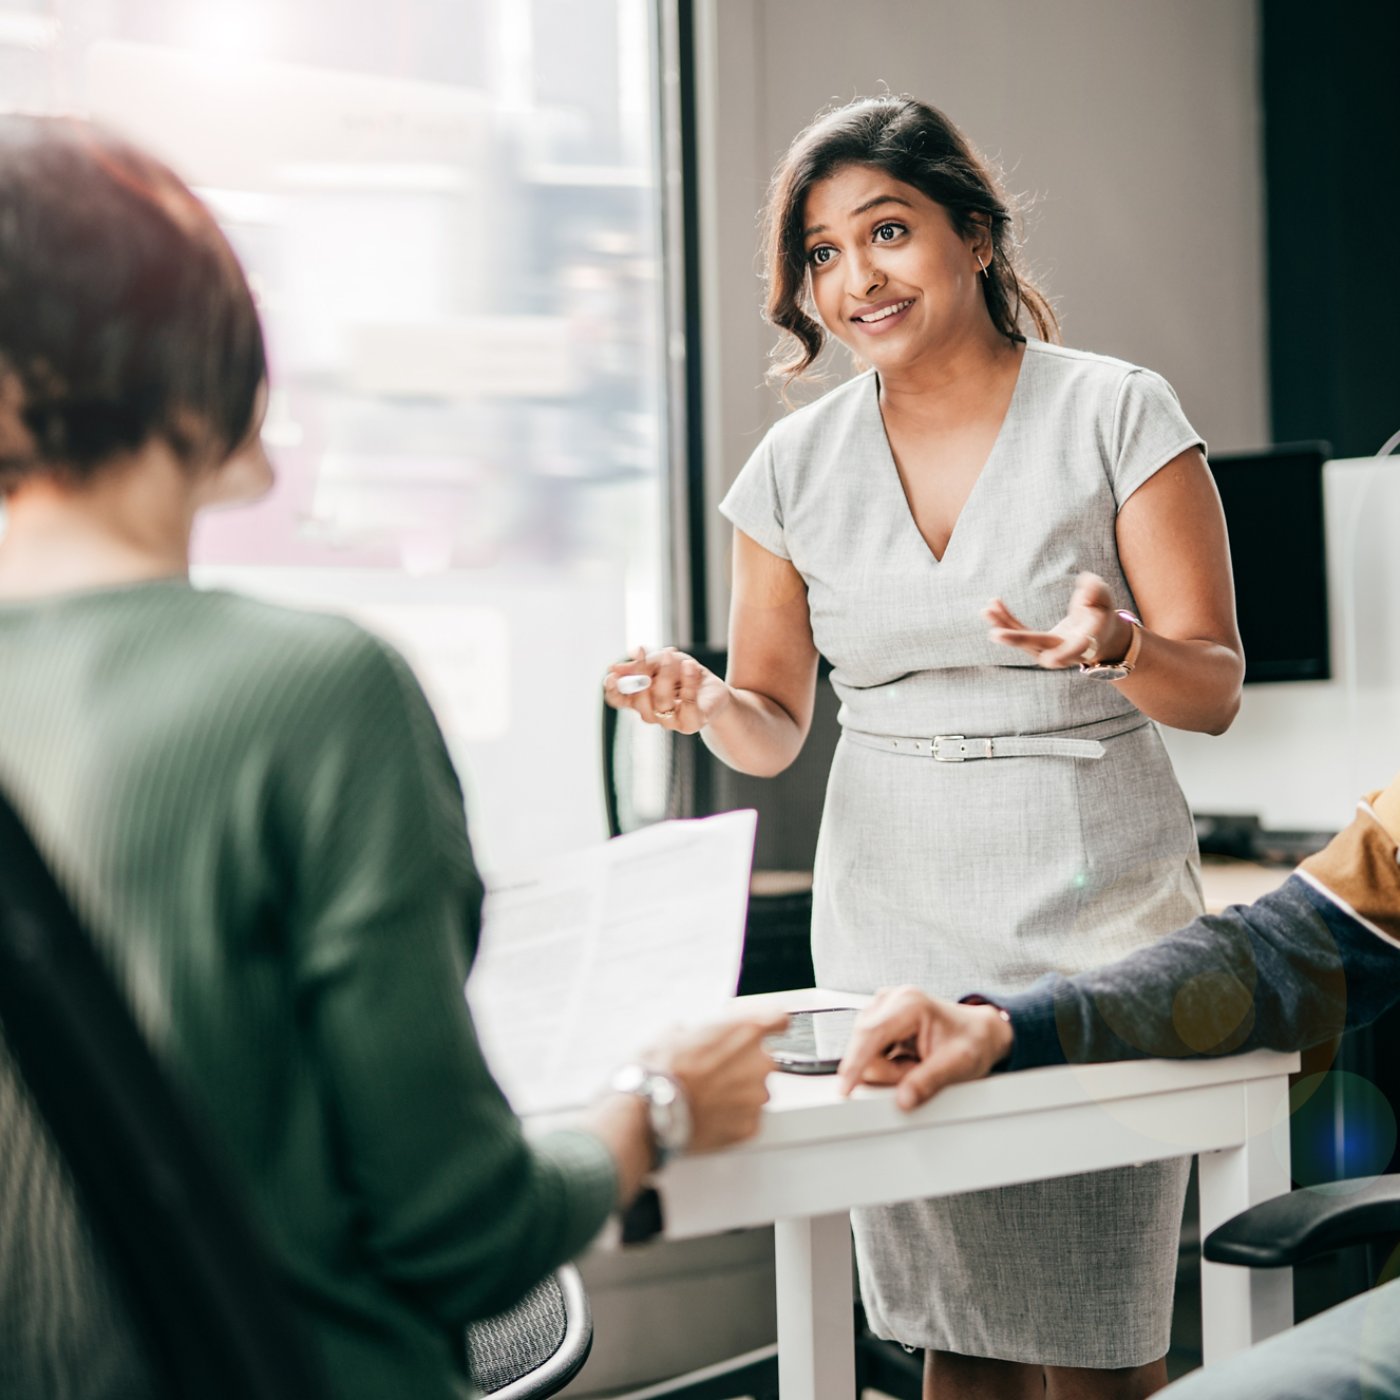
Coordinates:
1239 1306
816 1332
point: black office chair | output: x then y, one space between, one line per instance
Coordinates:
1301 1225
686 768
111 1207
693 783
537 1347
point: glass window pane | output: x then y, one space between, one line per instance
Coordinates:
450 213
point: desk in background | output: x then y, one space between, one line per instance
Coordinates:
777 946
1227 881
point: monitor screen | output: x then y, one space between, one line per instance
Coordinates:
1273 508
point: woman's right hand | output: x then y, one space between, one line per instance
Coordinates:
683 695
722 1070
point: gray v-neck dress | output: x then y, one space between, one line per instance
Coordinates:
1068 847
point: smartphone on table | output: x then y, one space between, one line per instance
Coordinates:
814 1040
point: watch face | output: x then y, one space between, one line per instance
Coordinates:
671 1131
629 1079
668 1114
1105 672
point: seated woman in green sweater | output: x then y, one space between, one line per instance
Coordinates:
255 813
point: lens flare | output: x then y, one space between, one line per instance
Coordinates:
1342 1127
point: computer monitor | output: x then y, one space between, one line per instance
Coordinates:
1274 511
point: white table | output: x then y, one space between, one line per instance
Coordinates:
817 1155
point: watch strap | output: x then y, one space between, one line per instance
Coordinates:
1130 656
1122 669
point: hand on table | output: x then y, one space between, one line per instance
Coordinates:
723 1070
907 1038
683 696
1090 630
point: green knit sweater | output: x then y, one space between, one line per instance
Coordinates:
254 812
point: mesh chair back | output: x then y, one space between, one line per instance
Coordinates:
535 1348
152 1253
66 1327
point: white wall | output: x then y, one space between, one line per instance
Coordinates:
1134 124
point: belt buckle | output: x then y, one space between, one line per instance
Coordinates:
958 748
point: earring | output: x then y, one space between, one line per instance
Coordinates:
981 264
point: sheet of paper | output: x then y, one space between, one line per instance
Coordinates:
585 960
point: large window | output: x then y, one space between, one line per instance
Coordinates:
450 212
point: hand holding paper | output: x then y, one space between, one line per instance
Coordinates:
586 961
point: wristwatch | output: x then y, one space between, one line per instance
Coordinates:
1118 670
668 1113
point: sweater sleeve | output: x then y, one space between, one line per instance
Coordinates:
457 1208
1291 970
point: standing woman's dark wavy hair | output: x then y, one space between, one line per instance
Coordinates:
918 145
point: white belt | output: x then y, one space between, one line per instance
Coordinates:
959 748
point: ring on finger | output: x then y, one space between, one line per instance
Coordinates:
1091 649
666 714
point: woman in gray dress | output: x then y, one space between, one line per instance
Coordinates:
1001 804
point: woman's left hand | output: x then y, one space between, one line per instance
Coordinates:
1090 630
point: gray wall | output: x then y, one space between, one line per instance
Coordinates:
1133 124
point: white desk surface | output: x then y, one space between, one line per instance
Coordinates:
816 1152
817 1155
805 1108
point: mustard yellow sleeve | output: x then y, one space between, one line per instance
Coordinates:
1360 867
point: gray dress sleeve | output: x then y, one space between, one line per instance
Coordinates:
1149 430
753 504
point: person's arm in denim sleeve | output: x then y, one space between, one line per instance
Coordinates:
1318 956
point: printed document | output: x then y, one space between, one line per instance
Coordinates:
585 961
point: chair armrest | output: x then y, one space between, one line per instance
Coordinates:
1291 1228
